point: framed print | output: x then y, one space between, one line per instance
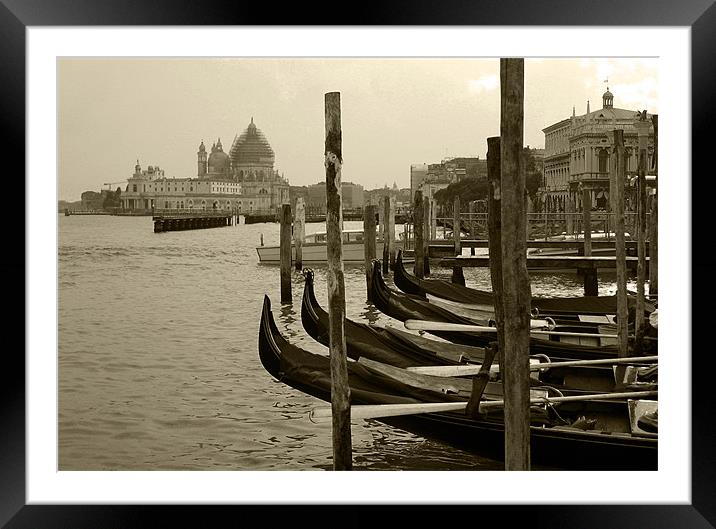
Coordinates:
150 393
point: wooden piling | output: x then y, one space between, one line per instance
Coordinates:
418 224
381 219
385 201
299 231
587 220
340 390
433 220
369 246
457 275
515 279
494 239
426 235
285 252
643 127
390 226
591 285
622 309
471 210
654 248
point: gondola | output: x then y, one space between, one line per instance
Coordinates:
558 436
403 349
404 307
384 344
568 308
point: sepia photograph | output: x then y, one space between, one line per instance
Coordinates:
257 273
268 271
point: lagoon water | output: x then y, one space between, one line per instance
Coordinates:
158 360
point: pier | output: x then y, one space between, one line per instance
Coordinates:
179 220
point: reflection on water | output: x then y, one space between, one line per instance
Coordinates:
158 360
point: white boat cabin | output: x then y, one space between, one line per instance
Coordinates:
349 236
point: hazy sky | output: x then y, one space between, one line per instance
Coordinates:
395 112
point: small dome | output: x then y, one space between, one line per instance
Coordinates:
219 161
251 148
202 148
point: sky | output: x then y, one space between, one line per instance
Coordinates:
394 112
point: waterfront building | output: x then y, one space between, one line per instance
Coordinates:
351 196
578 154
430 178
243 180
418 173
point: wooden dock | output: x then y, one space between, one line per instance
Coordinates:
179 220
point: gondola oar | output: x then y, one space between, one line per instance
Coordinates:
422 325
473 369
375 411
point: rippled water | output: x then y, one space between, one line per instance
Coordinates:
158 360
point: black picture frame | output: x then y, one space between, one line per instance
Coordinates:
699 15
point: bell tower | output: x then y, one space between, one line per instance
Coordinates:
201 159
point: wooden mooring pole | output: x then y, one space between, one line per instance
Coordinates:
285 251
473 235
642 126
369 246
418 225
494 240
340 390
457 275
299 231
654 234
591 286
654 248
385 201
622 310
390 225
515 279
426 235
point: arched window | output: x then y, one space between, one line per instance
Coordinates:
203 204
603 161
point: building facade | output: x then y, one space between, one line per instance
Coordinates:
578 155
243 181
352 197
430 178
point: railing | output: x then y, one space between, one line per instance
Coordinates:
543 225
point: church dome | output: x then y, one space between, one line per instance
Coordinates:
219 161
252 148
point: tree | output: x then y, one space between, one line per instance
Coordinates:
467 189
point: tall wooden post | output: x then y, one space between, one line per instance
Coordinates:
340 390
643 127
471 210
369 245
299 231
381 219
433 220
654 248
390 225
457 275
515 279
418 225
386 232
285 252
591 286
494 240
622 309
654 235
426 236
587 220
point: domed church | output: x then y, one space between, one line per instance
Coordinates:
244 180
250 162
